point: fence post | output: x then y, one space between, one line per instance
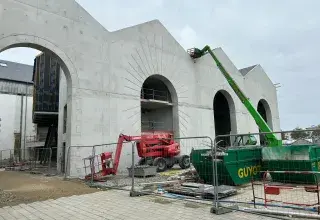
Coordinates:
318 196
67 163
217 208
34 161
132 168
214 177
133 193
92 162
49 162
1 162
253 192
12 159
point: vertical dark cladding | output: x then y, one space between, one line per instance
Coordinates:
46 84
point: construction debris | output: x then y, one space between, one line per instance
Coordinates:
17 168
143 171
202 190
183 175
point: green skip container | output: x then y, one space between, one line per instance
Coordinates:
292 158
236 166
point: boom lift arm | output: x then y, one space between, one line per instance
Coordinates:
108 155
160 147
271 138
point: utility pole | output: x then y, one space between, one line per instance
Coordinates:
21 113
25 124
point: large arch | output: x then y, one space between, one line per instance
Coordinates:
224 116
44 45
67 66
264 110
158 92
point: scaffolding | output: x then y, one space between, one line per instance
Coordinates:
153 94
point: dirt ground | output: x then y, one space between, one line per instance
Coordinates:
22 187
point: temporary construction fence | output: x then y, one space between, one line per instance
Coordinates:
104 158
266 196
33 158
132 175
6 158
227 177
75 155
86 161
256 171
299 197
176 177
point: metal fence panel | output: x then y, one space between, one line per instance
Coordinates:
301 197
278 180
6 157
229 177
173 182
75 156
29 159
134 177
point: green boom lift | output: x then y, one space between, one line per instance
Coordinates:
272 140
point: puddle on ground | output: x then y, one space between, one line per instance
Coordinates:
192 205
162 201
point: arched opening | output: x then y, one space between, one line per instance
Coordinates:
32 75
224 117
159 110
264 110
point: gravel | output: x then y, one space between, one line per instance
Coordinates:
124 181
6 198
21 187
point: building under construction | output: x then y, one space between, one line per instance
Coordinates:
133 80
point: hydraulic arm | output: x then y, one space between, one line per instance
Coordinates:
271 138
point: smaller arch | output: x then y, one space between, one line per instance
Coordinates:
161 85
264 110
224 115
159 105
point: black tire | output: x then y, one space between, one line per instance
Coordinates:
142 161
184 162
145 161
160 163
169 166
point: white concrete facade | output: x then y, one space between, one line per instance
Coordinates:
105 72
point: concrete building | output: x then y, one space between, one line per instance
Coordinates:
16 88
125 81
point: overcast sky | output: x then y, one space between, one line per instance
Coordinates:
282 36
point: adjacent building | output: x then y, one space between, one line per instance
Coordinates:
16 89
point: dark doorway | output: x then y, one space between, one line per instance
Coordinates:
222 118
263 112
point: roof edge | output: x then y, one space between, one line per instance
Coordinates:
244 71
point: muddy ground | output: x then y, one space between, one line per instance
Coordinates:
22 187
